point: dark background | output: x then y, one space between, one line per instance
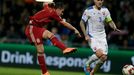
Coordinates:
14 16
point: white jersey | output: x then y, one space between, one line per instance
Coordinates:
95 20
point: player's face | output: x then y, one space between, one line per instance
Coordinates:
98 3
60 11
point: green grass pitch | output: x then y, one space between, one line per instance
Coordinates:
20 71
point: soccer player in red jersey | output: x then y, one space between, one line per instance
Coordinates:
36 32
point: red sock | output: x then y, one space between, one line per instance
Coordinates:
57 43
42 64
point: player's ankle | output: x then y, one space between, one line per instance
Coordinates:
47 73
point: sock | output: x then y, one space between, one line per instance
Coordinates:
99 63
57 43
91 59
42 64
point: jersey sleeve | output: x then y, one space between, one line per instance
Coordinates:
56 17
85 16
108 16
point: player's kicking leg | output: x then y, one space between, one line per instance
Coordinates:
57 43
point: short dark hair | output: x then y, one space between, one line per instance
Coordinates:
52 5
59 5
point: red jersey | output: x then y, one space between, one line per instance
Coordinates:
44 16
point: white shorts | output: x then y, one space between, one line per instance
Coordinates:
99 44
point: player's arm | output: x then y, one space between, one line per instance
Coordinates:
83 21
64 23
69 26
113 26
83 28
111 23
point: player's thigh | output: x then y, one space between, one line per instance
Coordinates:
104 46
36 34
47 34
94 44
99 46
99 52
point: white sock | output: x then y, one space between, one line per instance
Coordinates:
91 59
99 63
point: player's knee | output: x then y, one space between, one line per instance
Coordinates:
103 57
40 49
48 34
41 52
51 36
99 53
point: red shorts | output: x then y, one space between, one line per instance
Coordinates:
35 34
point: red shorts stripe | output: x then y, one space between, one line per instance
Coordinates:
35 34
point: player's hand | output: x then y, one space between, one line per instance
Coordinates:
117 30
87 38
77 33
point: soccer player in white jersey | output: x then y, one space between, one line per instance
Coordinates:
94 18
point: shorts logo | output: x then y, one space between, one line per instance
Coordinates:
95 48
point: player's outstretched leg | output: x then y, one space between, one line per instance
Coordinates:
60 45
56 42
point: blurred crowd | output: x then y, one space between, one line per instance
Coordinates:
14 16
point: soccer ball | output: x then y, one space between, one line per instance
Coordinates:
128 70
